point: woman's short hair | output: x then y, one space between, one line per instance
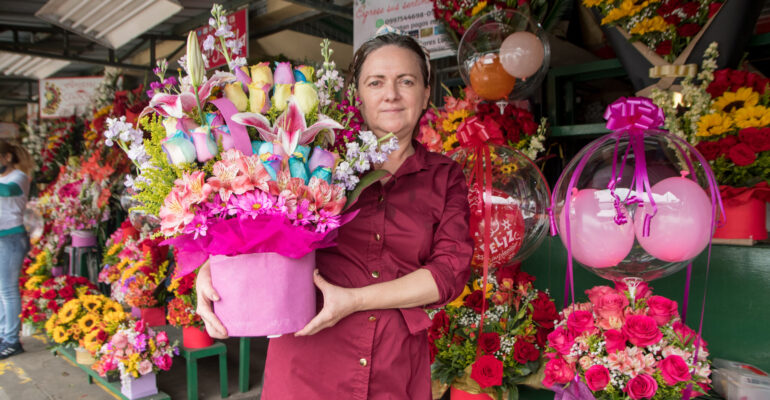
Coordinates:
395 39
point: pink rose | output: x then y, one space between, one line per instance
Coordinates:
561 340
642 386
587 306
161 338
140 326
596 293
144 367
642 330
119 340
642 291
662 310
163 362
615 340
611 305
685 334
580 321
597 377
557 371
674 370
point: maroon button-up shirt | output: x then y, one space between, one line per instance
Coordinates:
417 219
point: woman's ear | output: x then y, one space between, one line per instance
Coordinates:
427 98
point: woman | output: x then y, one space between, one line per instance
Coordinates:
408 247
14 243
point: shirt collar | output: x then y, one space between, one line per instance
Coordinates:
416 162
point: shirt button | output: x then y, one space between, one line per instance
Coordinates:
372 318
363 362
377 236
375 274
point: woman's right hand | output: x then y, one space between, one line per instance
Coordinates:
206 295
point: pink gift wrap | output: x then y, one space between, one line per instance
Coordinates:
136 388
263 294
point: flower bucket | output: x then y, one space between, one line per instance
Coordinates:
745 220
731 27
136 388
155 316
263 294
83 357
57 271
459 394
194 337
83 239
28 329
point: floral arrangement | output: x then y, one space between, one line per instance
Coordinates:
665 26
438 127
86 321
621 346
50 143
517 322
141 280
459 15
121 249
726 115
246 148
135 349
43 300
181 309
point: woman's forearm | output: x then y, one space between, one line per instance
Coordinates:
415 289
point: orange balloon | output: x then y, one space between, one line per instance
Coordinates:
489 79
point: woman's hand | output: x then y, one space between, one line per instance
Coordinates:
206 295
339 302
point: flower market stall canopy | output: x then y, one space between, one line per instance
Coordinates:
71 47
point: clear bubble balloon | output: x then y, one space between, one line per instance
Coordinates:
503 55
607 223
518 199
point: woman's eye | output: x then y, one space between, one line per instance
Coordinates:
407 82
374 83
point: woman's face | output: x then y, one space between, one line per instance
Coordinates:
392 91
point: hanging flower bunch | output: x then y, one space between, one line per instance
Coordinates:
666 26
86 321
49 144
141 280
136 350
619 350
120 250
726 115
438 128
517 321
458 15
41 301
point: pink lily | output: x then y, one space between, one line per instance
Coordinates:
290 129
179 105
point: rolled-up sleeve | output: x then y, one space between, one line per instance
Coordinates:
450 257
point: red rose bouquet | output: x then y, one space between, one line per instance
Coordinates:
517 321
618 350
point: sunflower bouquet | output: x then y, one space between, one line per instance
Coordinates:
86 321
44 300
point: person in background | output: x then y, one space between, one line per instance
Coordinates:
15 165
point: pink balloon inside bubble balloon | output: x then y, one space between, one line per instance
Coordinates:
681 228
522 54
597 241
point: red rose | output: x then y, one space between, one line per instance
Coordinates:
580 321
440 322
474 300
664 48
668 7
489 342
710 150
53 306
544 311
542 337
642 330
38 317
597 377
661 309
757 139
742 155
713 8
49 294
642 386
691 8
508 271
737 78
726 143
673 19
524 351
67 293
35 294
688 30
674 370
102 336
487 371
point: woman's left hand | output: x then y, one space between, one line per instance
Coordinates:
339 302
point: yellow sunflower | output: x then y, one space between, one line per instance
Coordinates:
88 322
115 317
626 9
82 290
458 302
454 119
91 341
59 335
34 282
732 101
714 124
111 306
91 302
748 117
654 24
50 324
450 143
69 311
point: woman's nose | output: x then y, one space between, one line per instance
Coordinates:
391 91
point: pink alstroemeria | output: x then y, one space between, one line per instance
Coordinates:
196 185
290 129
253 172
223 179
327 197
175 213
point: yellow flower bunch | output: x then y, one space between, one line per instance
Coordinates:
87 320
714 124
627 8
478 7
654 24
454 119
34 282
38 266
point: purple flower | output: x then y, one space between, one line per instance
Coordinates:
208 44
232 205
216 208
141 342
280 207
327 221
170 81
198 226
303 215
254 203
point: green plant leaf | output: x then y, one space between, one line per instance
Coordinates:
367 180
